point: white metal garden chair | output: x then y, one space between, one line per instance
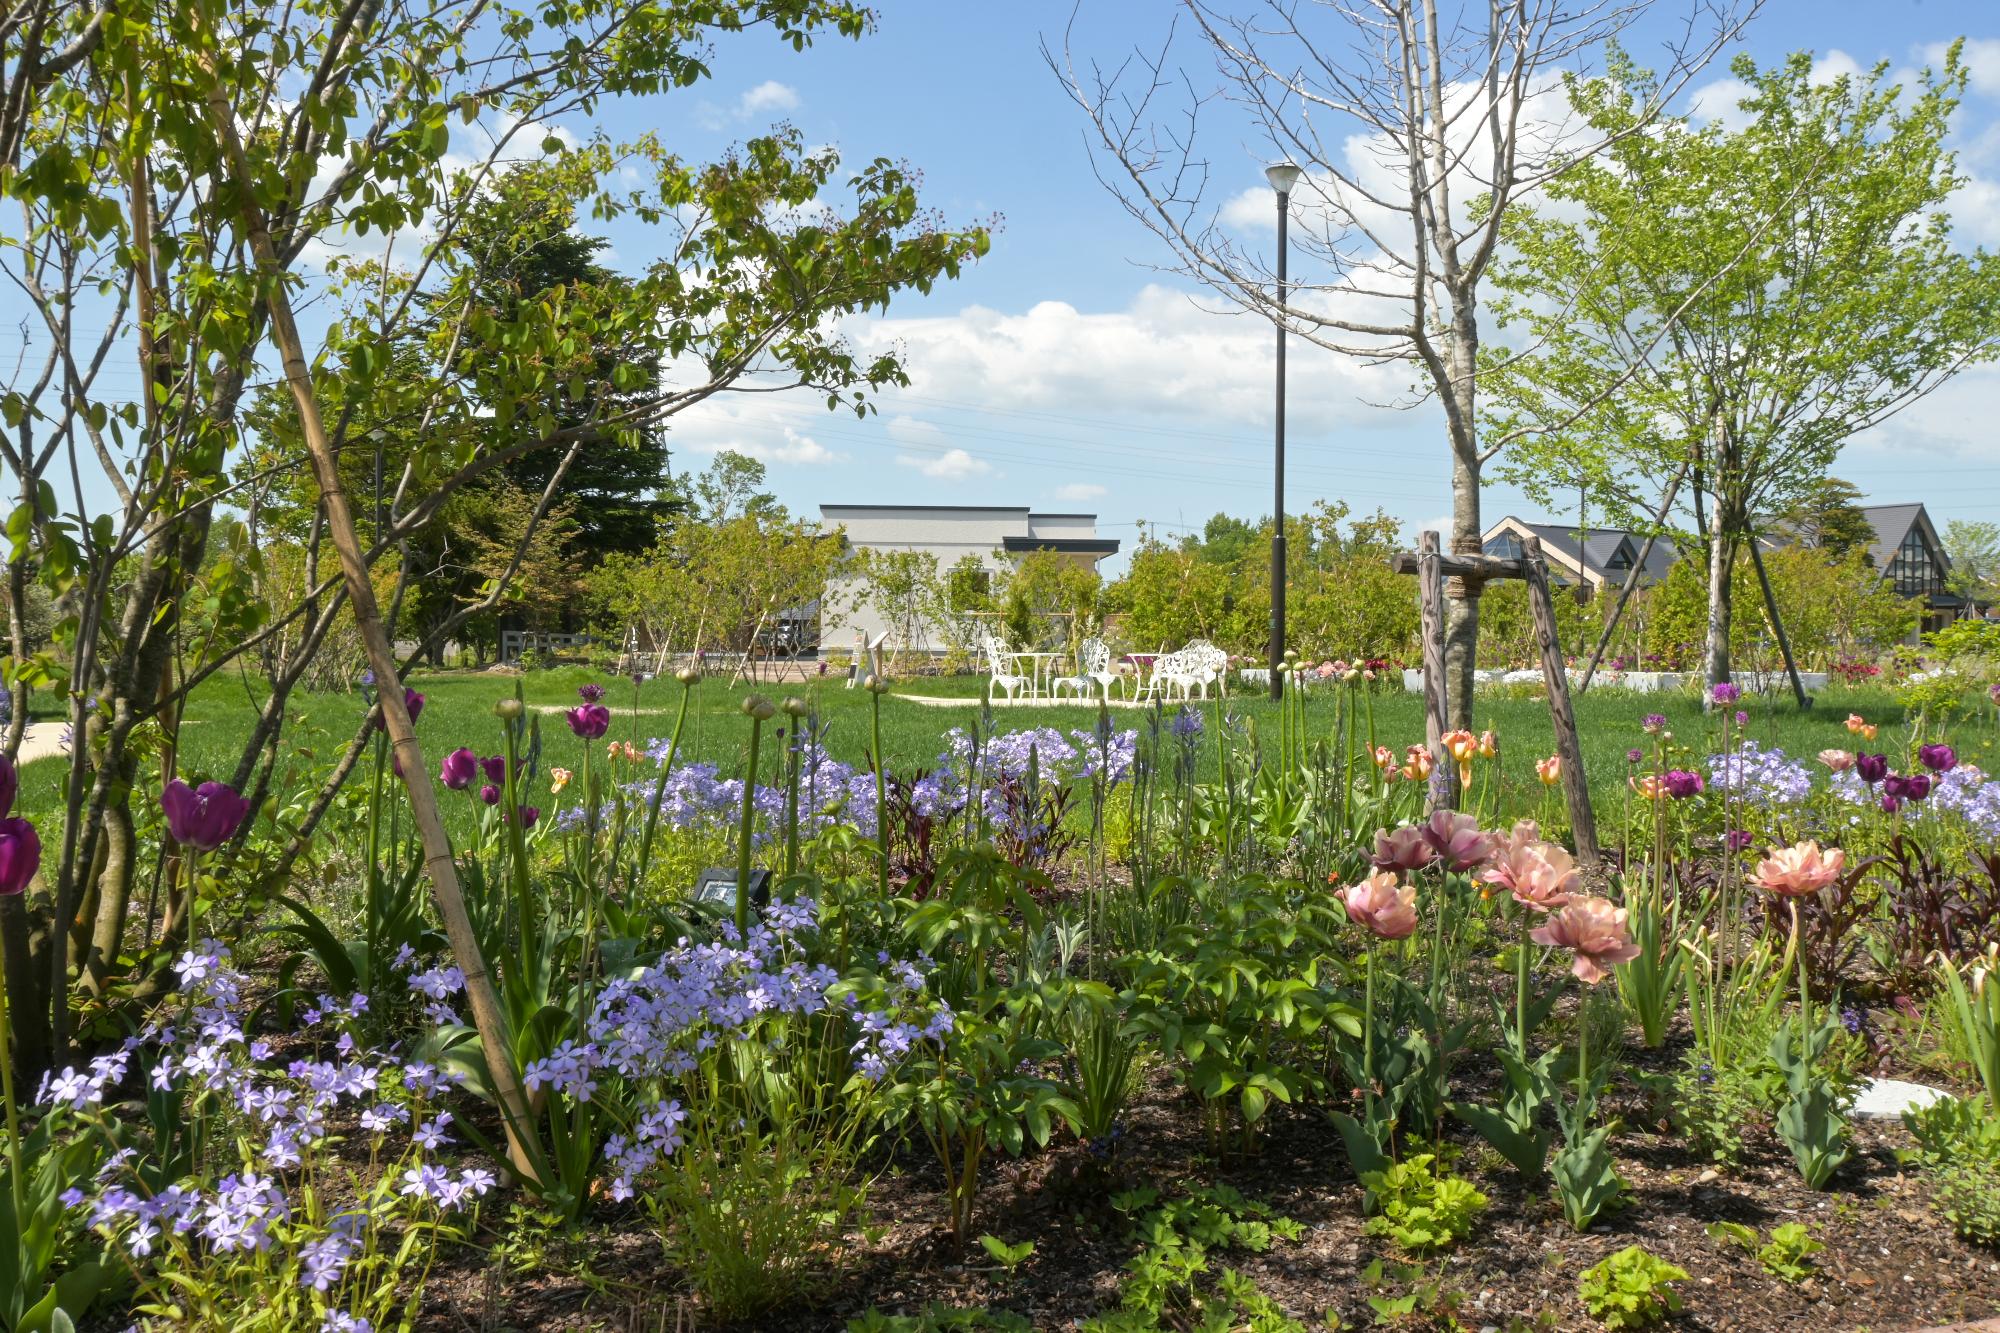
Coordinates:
999 667
1093 671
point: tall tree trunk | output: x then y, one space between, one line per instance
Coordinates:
1721 572
1461 637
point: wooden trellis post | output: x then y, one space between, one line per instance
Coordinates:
1432 566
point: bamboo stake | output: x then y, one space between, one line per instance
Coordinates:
443 871
1430 597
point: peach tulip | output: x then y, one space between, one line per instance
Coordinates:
1549 770
1405 849
1800 869
1837 760
1650 786
1594 929
1456 836
1387 910
558 779
1417 764
1542 876
1489 745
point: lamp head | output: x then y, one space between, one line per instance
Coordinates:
1283 176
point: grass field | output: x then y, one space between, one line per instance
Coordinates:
458 712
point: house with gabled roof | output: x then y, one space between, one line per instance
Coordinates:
1906 549
1603 556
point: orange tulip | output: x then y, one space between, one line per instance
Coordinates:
1417 764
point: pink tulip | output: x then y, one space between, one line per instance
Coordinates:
1595 930
1457 839
1800 869
1541 875
1405 849
1377 903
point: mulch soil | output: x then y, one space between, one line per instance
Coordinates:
1889 1263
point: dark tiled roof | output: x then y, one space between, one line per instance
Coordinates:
1601 544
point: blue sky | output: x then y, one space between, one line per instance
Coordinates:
1068 371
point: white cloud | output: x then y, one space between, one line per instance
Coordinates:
1164 358
1982 62
951 465
1080 490
767 98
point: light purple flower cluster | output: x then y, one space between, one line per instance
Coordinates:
1759 776
651 1028
284 1112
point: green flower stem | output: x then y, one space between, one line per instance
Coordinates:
881 796
14 1182
743 831
660 786
1521 988
1368 1036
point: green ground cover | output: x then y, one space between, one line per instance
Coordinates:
458 712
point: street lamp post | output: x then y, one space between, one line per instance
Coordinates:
1283 176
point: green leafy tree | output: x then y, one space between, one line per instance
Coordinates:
379 123
1828 516
1973 547
1729 305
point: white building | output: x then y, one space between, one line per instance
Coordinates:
990 533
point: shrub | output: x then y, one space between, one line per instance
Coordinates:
1422 1210
1958 1152
1631 1289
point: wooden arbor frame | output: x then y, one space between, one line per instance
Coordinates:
1432 566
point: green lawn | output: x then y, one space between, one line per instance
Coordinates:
458 713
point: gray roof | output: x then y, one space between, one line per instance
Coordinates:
1600 544
1891 524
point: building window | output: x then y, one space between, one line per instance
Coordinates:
1620 558
1506 546
1913 572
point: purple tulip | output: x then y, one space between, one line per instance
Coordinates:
1895 786
1917 786
529 814
413 704
495 768
590 693
589 721
458 769
1738 840
20 856
1681 784
1890 805
1937 758
10 782
1871 768
203 817
490 794
1725 693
